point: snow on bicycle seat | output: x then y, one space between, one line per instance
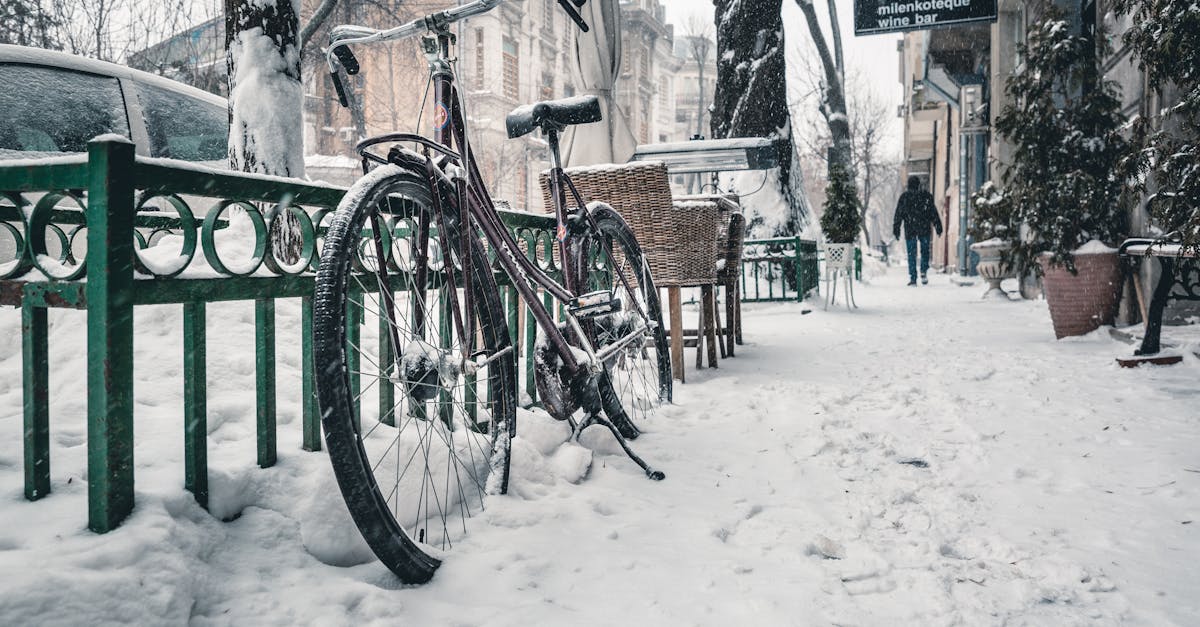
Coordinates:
556 113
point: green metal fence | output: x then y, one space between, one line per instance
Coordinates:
117 205
777 269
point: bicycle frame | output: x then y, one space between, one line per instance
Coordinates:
450 132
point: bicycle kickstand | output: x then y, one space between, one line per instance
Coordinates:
656 475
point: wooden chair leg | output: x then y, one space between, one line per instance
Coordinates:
737 301
675 305
710 323
731 295
701 321
717 326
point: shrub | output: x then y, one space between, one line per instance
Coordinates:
841 220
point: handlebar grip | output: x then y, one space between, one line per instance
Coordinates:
341 89
575 16
347 59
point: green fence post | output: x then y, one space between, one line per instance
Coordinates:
530 344
757 291
264 357
35 357
512 303
799 269
310 414
387 366
195 402
110 332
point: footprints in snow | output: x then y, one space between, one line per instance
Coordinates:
726 532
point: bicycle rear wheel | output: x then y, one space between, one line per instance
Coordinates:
414 467
637 378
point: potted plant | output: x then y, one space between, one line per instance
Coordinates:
840 224
990 231
841 219
1063 195
1165 37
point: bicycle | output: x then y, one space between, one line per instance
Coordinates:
406 250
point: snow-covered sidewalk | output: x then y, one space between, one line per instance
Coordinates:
926 459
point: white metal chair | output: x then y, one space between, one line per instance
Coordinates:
839 263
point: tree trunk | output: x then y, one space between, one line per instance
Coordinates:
866 207
751 97
266 97
833 102
266 101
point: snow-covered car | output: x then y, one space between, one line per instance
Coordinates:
53 103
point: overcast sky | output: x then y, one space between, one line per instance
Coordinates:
874 57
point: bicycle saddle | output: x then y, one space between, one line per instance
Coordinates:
555 114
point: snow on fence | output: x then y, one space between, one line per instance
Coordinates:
780 268
113 231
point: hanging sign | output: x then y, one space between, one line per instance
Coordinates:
872 17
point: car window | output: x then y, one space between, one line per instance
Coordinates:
182 127
44 109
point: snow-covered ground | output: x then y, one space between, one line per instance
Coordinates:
927 459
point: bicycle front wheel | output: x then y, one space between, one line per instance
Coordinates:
637 378
396 322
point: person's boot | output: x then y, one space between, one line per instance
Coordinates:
912 282
924 279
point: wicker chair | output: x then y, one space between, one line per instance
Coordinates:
732 241
731 233
679 243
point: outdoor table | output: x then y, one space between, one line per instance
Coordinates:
1168 256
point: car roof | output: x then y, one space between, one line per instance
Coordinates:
52 58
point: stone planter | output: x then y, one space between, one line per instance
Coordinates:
1082 302
991 266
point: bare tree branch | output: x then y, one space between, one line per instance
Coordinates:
837 41
318 17
833 102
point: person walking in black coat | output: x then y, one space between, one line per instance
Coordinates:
916 212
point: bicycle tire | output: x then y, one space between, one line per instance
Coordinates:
640 379
403 545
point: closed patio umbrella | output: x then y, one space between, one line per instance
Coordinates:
596 65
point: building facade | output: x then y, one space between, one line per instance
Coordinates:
695 84
945 74
518 53
645 89
953 81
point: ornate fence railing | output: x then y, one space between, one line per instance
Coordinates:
109 231
780 268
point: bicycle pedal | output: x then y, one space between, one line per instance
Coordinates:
594 304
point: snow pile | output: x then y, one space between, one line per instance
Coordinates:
1094 247
765 208
929 459
265 105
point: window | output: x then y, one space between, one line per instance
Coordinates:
479 53
512 73
181 127
568 91
664 93
547 91
57 110
644 66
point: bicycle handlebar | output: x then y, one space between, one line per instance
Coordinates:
341 37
